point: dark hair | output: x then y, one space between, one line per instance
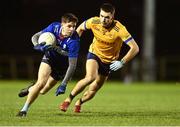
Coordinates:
69 17
107 7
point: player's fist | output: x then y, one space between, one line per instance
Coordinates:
42 47
61 89
116 65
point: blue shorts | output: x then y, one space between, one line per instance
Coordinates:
58 65
103 68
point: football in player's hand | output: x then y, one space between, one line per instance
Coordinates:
47 37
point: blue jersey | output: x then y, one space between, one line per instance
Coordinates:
69 44
59 63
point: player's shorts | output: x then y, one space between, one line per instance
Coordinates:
103 68
58 65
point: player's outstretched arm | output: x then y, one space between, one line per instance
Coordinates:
69 73
71 69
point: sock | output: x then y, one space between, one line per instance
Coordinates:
81 101
71 96
25 107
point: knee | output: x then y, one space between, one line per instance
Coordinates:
90 79
39 85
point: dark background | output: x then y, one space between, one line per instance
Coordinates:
20 19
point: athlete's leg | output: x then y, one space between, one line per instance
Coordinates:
50 83
92 90
43 75
91 73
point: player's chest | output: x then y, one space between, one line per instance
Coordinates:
63 43
104 34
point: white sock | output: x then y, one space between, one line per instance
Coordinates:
25 107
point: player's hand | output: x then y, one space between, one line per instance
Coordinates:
42 47
61 89
116 65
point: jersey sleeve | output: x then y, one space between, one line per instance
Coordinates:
125 35
51 27
74 48
88 23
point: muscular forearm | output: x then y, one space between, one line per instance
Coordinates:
130 54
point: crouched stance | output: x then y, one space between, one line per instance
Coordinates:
58 61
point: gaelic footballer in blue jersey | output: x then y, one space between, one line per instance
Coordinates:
57 61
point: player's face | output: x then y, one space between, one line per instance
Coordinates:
106 18
68 28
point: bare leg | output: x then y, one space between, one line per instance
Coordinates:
43 75
91 73
90 93
50 83
93 88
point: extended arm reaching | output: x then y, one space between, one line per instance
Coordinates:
69 73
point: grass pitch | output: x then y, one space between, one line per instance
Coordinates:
116 104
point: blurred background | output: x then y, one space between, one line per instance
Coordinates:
154 24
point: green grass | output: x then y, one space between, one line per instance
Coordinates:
138 104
